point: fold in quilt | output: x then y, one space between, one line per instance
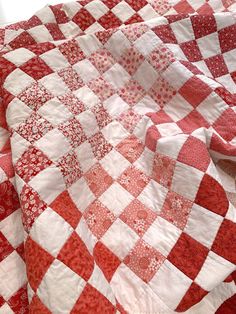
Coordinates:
118 159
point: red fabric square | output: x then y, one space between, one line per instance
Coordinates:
40 48
133 180
101 88
5 247
71 78
76 256
71 51
59 14
72 103
84 19
194 294
188 255
137 5
35 96
217 66
102 116
109 20
38 262
227 38
23 40
152 137
107 261
36 68
138 217
192 121
131 148
31 163
55 31
225 125
73 130
205 9
191 51
37 307
225 241
163 169
160 117
176 209
2 301
165 33
111 3
70 168
229 98
21 251
195 91
9 201
98 218
195 153
144 260
98 180
228 306
19 301
131 59
183 7
100 146
212 196
32 206
102 60
203 25
134 19
132 92
67 209
92 301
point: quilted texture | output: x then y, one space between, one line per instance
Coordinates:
156 99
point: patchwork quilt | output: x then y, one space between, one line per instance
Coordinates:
118 159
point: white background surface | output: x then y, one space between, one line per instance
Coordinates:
16 10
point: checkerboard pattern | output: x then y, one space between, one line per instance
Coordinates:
99 109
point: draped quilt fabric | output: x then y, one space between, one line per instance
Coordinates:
118 159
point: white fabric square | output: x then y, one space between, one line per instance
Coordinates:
183 108
230 60
51 231
162 235
58 279
114 163
94 28
214 270
172 293
146 105
19 56
129 239
88 43
54 83
12 228
55 112
165 145
115 105
224 20
147 12
19 146
85 156
86 235
81 194
117 76
44 183
96 8
114 133
116 198
123 11
55 59
86 70
146 75
88 122
117 44
177 75
180 181
228 83
5 309
46 15
203 225
17 81
183 30
153 196
40 33
145 161
212 43
12 275
169 129
88 98
53 144
212 107
147 43
17 112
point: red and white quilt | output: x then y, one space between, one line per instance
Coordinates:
118 159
